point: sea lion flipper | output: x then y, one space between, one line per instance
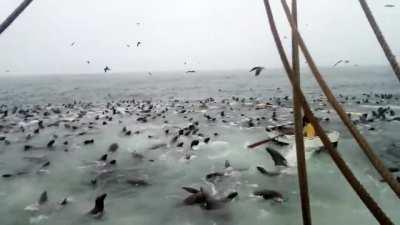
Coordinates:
191 190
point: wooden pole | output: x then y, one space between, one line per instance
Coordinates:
14 15
362 142
298 125
381 39
336 157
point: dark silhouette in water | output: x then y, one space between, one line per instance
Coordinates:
279 160
262 170
99 205
43 198
269 194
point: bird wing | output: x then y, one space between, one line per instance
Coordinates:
337 63
254 68
258 71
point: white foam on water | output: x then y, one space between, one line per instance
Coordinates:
38 219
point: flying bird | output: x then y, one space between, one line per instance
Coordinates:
106 69
87 61
138 43
337 63
389 5
128 45
258 70
73 43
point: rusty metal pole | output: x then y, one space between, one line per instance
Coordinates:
14 15
298 124
381 39
362 142
369 202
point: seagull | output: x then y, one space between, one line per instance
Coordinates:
128 45
258 70
138 43
87 61
106 69
150 73
337 63
137 23
73 43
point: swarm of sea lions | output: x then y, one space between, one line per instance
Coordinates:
74 126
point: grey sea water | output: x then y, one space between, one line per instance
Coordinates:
332 199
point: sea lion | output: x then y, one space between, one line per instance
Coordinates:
278 159
87 142
51 143
98 209
194 143
212 204
43 198
113 147
103 157
265 172
269 194
213 177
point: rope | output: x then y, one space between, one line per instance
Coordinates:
298 124
338 160
381 39
362 142
14 15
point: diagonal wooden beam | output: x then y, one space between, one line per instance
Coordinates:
298 124
8 21
362 142
365 197
381 39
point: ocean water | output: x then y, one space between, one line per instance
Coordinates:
166 169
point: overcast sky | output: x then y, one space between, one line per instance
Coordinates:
207 34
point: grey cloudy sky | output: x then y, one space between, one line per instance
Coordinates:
207 34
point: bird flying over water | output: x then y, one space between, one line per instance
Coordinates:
337 63
106 69
138 43
87 61
389 5
258 70
73 43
